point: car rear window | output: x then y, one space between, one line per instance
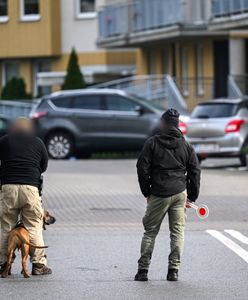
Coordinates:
90 102
215 110
62 102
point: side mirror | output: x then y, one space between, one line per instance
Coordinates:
139 109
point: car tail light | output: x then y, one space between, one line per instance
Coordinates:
234 126
183 127
38 115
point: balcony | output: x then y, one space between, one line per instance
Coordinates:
144 21
228 14
222 8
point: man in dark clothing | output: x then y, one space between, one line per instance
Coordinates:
23 159
169 177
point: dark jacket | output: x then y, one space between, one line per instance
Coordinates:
23 159
168 165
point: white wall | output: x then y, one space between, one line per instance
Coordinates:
80 33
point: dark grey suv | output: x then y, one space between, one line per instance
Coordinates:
94 120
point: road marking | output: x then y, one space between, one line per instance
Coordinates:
230 244
237 235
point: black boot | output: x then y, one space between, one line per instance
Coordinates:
2 267
141 275
40 269
172 275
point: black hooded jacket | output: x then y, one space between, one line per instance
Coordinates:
168 165
23 159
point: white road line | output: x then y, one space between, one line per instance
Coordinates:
237 235
230 244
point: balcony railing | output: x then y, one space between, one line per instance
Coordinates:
241 82
141 15
160 89
225 8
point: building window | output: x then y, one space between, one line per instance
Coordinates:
41 66
199 70
166 60
30 10
86 8
151 62
185 71
3 11
10 70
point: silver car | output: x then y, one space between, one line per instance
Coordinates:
219 128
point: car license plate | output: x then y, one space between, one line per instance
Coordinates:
206 148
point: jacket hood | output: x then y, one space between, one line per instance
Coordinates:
170 138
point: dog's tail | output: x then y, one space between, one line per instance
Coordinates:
26 242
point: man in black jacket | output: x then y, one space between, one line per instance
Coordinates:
23 159
169 177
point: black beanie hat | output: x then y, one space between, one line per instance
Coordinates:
171 117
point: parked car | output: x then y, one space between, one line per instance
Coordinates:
4 125
94 120
219 128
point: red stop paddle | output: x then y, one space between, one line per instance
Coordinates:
202 211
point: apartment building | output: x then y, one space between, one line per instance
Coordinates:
232 16
202 44
37 37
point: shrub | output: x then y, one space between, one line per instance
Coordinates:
15 88
74 78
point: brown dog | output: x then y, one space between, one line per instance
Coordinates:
19 239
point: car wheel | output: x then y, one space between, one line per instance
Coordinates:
59 145
243 160
244 155
200 159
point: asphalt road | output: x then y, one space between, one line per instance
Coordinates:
94 246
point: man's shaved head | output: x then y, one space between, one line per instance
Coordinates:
22 124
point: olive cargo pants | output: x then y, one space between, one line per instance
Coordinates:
157 208
23 200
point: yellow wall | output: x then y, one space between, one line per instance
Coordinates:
141 63
208 65
88 58
1 77
31 39
96 58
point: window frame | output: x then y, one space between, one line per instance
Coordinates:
200 91
185 70
151 62
4 19
35 71
166 60
31 17
4 63
59 108
84 15
130 112
101 106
